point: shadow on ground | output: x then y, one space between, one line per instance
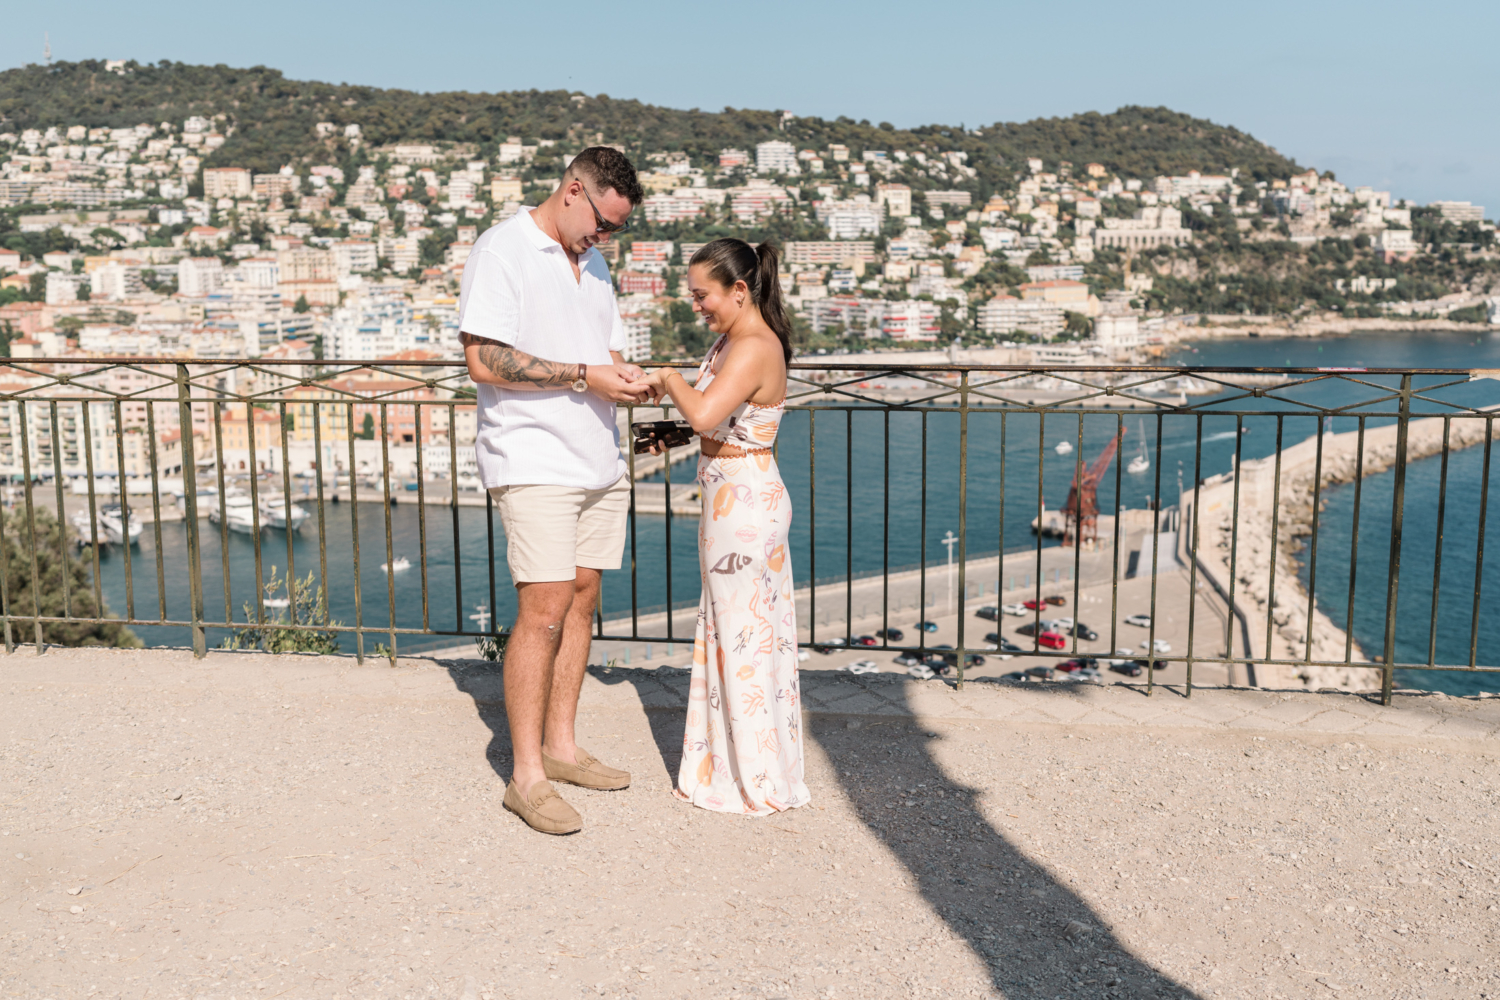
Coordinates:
1038 938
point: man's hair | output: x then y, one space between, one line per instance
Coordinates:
608 168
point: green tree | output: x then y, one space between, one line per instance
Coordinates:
367 428
302 305
308 608
52 545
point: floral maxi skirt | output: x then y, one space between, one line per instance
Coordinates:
742 749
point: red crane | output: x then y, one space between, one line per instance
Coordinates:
1081 512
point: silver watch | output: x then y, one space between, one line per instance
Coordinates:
581 383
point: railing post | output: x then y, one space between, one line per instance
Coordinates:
963 520
1393 573
190 498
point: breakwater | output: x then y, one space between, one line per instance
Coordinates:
1273 533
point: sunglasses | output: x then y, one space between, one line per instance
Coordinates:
603 225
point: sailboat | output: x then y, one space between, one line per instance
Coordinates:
1140 463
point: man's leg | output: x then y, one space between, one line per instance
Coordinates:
530 655
570 665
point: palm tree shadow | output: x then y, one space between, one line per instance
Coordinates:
1038 937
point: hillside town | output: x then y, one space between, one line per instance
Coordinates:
130 244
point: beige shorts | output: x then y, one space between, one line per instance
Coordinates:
552 530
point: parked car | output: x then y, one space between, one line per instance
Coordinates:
989 613
1056 600
1001 643
1052 640
890 634
1129 668
1032 628
1083 631
926 626
1159 646
1034 603
866 640
1041 673
1019 610
907 660
1142 621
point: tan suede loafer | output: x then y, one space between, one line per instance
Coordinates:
587 772
543 809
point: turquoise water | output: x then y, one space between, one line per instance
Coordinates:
867 477
1461 628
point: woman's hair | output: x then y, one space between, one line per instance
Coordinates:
729 260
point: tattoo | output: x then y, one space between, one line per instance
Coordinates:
510 365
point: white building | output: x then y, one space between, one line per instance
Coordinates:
116 282
911 319
1152 226
199 276
774 157
1005 315
1173 188
849 220
637 336
384 324
896 198
1115 331
354 257
62 287
650 255
1394 241
1459 211
859 317
259 272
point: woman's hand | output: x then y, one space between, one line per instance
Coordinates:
657 380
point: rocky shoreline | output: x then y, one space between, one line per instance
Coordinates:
1294 635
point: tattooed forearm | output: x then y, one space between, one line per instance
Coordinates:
507 364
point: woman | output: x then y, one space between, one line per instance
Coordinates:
742 752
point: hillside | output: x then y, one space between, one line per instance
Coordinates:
272 122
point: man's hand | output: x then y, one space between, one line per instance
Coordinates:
618 383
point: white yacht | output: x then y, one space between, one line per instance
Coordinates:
401 563
239 512
111 522
1063 448
274 514
1140 463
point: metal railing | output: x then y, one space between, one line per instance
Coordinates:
254 448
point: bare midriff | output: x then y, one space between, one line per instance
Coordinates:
721 449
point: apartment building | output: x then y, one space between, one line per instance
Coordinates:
272 186
641 282
650 255
1459 211
958 199
227 182
729 159
911 319
776 157
1005 315
198 276
895 197
817 253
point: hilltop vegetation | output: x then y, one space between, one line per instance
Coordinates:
269 121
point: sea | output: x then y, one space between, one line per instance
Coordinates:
874 490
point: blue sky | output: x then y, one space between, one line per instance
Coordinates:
1397 95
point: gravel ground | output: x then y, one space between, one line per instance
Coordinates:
257 827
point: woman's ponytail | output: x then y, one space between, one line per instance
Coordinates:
768 295
730 260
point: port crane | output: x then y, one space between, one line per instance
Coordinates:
1081 512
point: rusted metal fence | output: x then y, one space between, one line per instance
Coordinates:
224 446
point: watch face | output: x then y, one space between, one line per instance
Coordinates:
580 385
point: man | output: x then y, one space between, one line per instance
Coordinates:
542 337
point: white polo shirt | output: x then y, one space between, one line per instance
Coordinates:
518 288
